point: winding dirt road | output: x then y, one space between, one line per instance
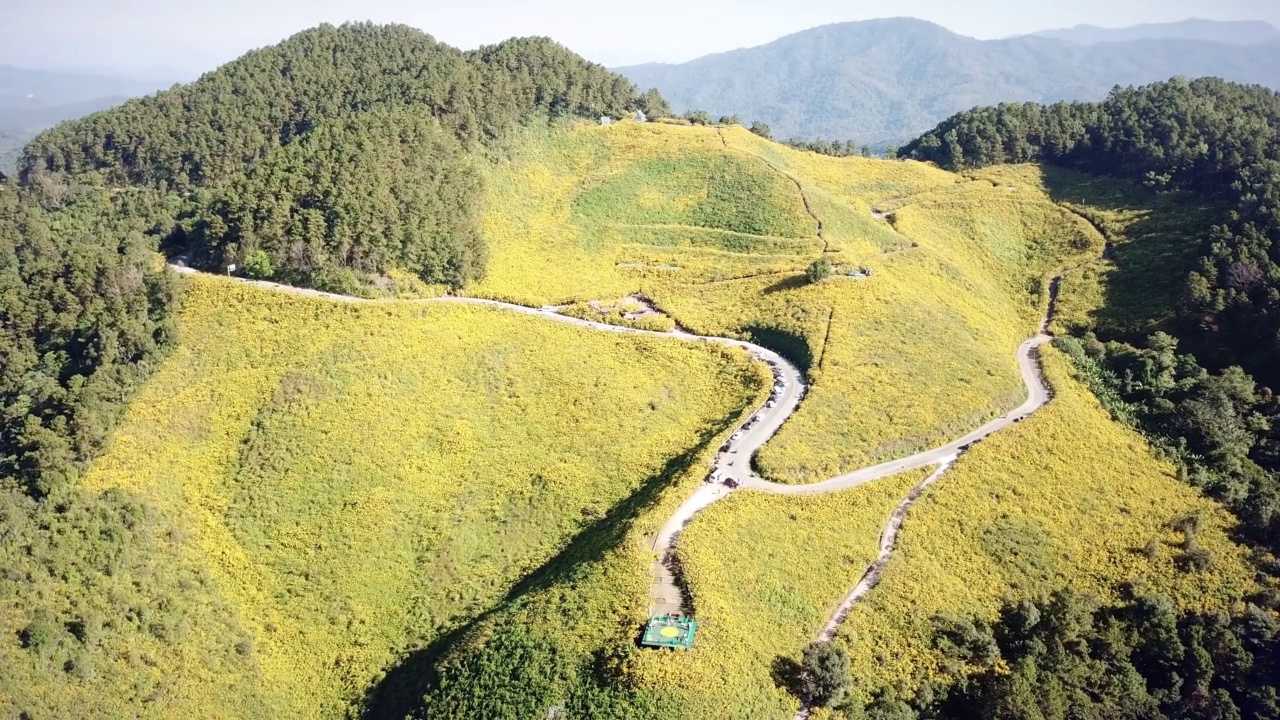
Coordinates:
734 459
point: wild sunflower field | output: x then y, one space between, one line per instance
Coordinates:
358 479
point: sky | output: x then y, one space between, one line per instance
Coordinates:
178 39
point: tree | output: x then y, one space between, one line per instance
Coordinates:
698 117
729 120
761 129
824 674
818 270
257 265
654 105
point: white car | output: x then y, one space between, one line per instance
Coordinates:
771 403
735 436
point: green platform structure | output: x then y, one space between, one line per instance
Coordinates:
670 631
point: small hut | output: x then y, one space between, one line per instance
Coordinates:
639 116
605 120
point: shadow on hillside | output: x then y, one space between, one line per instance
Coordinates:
400 692
791 282
786 343
787 674
1153 256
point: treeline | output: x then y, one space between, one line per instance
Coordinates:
1207 135
1071 656
386 188
1220 428
1215 138
232 133
85 314
835 148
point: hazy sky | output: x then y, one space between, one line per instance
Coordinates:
193 36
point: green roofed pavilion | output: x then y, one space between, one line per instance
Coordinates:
670 631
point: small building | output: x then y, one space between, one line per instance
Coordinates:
670 631
639 116
605 120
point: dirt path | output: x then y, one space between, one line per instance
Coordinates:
734 460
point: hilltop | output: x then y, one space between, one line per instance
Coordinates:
885 81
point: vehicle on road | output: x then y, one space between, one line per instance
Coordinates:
731 483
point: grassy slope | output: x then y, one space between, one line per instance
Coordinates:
596 213
358 479
765 572
1066 498
923 350
339 524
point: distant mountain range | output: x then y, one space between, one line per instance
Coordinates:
883 81
1235 32
32 100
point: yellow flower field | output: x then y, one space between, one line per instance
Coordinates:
1067 498
599 212
359 478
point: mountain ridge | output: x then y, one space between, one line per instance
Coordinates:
890 79
1237 32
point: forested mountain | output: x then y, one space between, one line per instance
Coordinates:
887 80
1220 140
1238 32
316 209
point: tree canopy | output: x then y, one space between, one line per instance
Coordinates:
340 152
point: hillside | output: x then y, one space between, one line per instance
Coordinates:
461 487
259 158
763 571
884 81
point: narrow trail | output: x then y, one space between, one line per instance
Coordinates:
826 247
734 459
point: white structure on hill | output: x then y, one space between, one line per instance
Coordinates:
606 120
639 116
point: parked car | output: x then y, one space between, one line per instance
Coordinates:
731 483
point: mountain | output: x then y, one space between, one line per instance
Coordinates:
887 80
1237 32
337 154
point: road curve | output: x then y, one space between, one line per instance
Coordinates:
733 461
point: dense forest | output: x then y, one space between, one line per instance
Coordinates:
1203 387
282 172
386 188
1071 656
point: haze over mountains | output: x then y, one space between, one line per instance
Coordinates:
32 100
881 81
1236 32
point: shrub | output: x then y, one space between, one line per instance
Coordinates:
818 271
761 129
257 265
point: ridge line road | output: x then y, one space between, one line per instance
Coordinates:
734 459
